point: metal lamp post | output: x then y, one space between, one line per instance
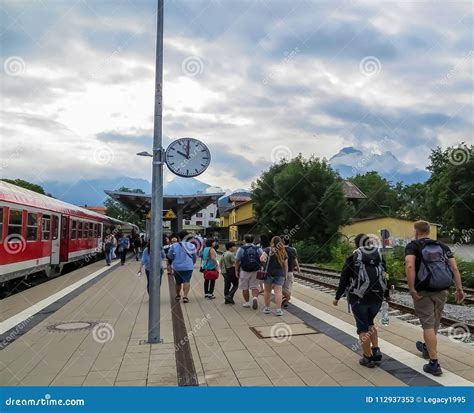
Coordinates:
157 189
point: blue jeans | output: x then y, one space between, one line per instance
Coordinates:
108 256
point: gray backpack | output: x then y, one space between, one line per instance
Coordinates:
435 273
370 278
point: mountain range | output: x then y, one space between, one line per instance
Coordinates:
349 161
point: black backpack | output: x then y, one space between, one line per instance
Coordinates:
434 273
250 260
370 279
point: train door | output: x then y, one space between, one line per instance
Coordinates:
64 243
55 239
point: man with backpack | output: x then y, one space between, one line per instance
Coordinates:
430 269
363 280
247 263
123 246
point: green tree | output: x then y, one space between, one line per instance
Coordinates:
382 198
450 189
303 197
116 210
411 200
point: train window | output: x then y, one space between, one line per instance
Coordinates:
55 227
46 224
32 227
14 222
1 224
74 230
91 229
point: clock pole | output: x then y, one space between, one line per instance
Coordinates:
157 190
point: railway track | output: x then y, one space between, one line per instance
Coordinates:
400 311
324 272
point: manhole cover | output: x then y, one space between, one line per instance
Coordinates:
73 326
283 331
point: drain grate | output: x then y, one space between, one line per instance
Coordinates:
65 327
285 331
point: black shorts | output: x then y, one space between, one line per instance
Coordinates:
364 315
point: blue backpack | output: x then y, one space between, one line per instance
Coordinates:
250 260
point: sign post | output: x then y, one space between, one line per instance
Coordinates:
157 189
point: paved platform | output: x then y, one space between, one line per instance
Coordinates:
225 351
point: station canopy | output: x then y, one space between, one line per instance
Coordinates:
187 205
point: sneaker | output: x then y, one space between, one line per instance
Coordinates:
246 305
207 295
285 304
211 296
367 362
266 310
279 312
433 368
255 303
376 354
422 348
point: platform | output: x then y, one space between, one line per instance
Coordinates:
205 342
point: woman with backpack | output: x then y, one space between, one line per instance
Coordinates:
276 269
210 268
363 280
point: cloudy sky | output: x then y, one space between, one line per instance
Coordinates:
255 80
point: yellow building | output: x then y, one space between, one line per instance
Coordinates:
399 229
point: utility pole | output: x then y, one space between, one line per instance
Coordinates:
157 189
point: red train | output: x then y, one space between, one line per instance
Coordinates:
39 233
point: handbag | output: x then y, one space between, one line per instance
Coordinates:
211 275
262 275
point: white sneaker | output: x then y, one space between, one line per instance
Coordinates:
266 310
246 305
279 312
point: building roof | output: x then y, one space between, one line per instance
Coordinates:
141 203
351 191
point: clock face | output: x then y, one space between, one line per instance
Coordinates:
187 157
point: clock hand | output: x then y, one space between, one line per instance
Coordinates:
187 150
181 153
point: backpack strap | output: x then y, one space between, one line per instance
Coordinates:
189 255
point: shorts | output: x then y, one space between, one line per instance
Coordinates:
248 280
288 284
183 276
429 309
364 315
275 279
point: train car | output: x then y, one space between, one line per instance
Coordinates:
39 233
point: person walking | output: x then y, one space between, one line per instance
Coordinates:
137 247
183 257
264 243
430 269
210 268
110 244
276 271
247 263
363 280
227 264
292 263
123 246
145 264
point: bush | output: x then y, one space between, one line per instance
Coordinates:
310 252
467 273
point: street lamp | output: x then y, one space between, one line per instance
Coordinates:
145 153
